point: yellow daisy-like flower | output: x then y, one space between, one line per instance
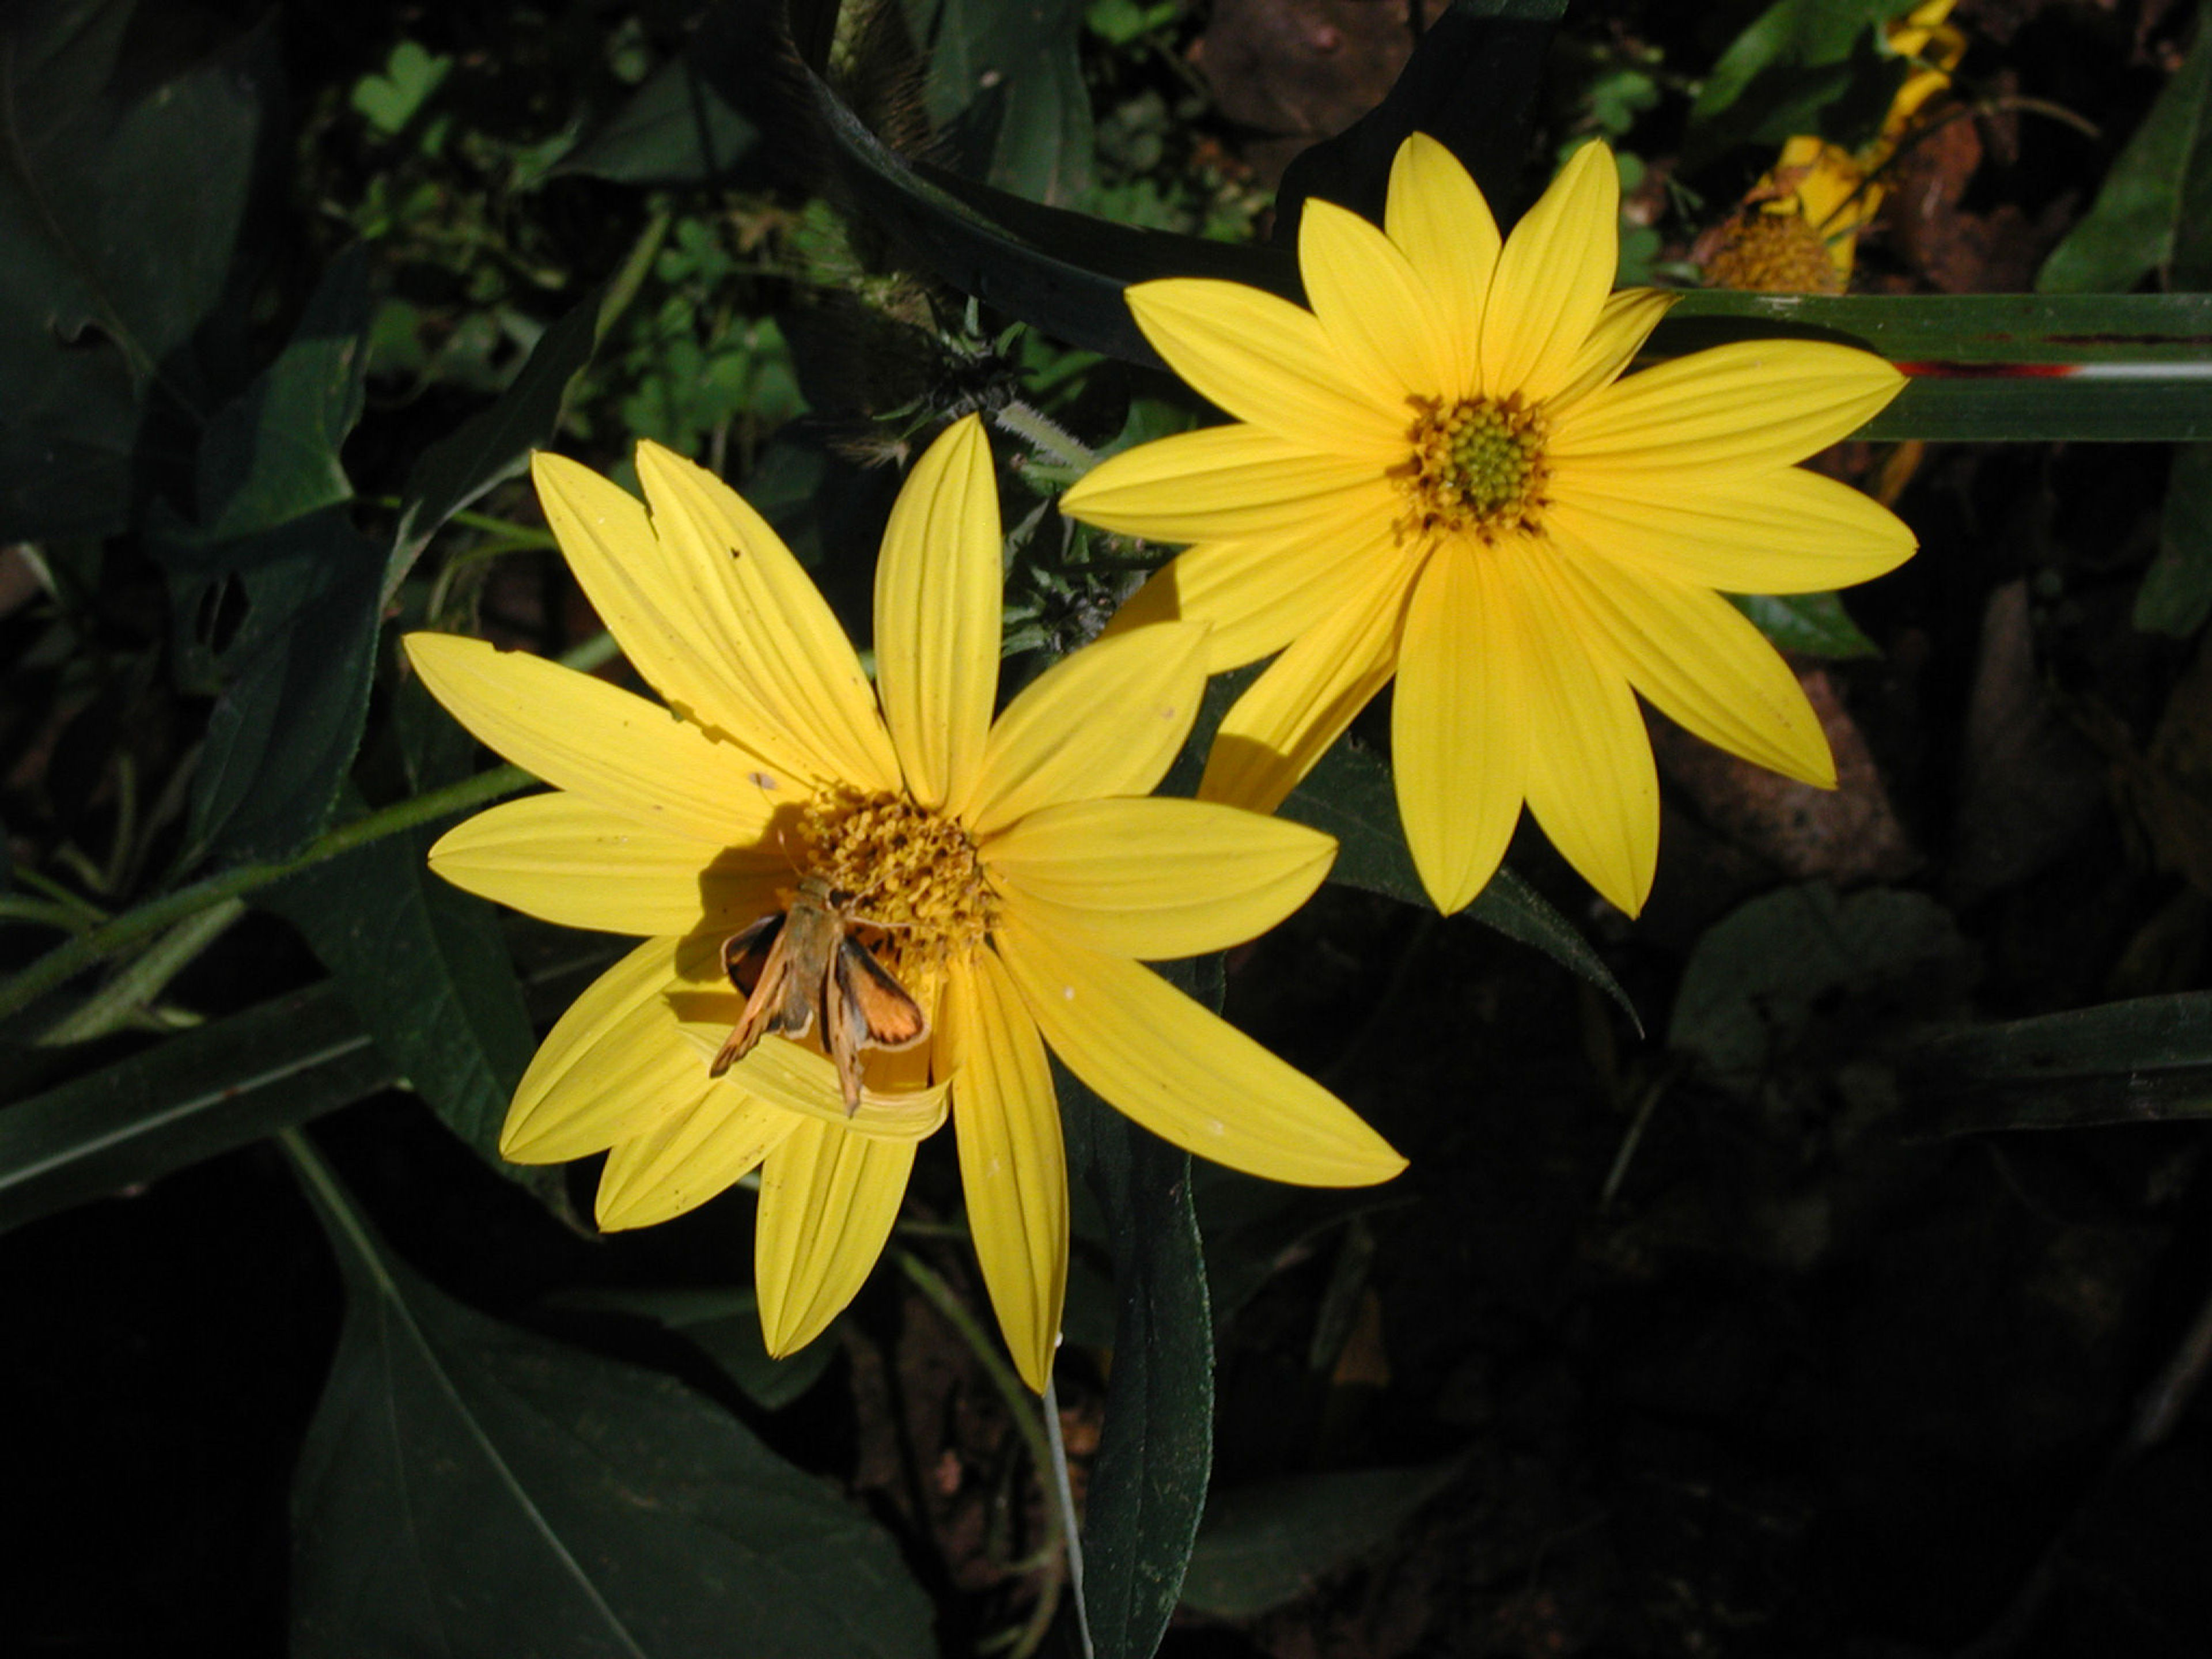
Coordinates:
1438 473
1819 196
1015 871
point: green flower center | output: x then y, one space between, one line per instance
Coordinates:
908 871
1477 466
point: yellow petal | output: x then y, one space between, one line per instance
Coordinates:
1270 362
827 1202
614 749
668 603
1013 1168
1288 717
1553 278
1757 403
692 1158
1105 720
1622 328
1697 659
562 859
612 1067
1219 481
1592 784
797 1078
1188 1076
1259 592
1459 725
1437 216
1784 531
1375 308
796 667
1156 879
937 604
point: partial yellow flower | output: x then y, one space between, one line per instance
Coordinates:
1799 231
1437 472
1013 874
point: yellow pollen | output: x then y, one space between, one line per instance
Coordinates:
1477 467
907 870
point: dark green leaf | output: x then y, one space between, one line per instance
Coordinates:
2014 367
686 124
1811 624
1263 1545
493 445
294 681
1349 794
272 455
427 970
390 101
2176 595
202 1093
2145 1061
723 1323
1470 84
467 1488
1007 88
1156 1449
2155 212
1756 977
1803 66
119 212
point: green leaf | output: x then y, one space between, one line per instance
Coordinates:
723 1321
2014 367
493 445
1350 795
205 1091
1156 1447
224 1085
1007 88
468 1488
1811 624
1265 1545
1754 982
2155 212
294 681
2176 595
273 454
390 101
121 196
426 968
685 125
2145 1060
1810 66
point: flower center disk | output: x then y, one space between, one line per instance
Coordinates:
908 871
1477 466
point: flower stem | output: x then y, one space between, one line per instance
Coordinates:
63 963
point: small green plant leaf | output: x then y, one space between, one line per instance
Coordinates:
467 1487
686 124
1811 624
2155 212
1812 66
1262 1546
390 101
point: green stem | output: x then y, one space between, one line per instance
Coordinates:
63 963
129 991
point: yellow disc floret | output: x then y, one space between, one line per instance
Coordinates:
910 870
1477 466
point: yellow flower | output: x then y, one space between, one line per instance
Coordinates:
1437 472
1823 194
1015 870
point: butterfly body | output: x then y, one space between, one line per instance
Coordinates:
814 971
